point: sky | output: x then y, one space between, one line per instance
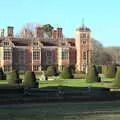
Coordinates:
101 16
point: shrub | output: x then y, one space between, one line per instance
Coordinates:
66 73
30 79
51 71
80 75
72 67
110 71
92 75
13 77
116 82
2 75
99 69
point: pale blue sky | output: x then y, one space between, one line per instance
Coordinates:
102 16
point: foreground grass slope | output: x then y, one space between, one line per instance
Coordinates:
61 111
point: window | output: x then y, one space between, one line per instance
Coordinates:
35 43
84 41
35 67
84 55
7 68
64 54
84 67
6 43
83 35
49 57
21 57
36 55
7 55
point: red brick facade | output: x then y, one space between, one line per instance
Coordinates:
35 54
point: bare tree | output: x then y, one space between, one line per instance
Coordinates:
114 52
99 55
28 31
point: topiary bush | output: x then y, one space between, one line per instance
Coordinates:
92 75
51 71
13 77
99 69
66 73
116 82
30 79
110 71
2 75
80 75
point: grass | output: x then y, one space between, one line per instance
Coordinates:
64 111
61 111
106 82
3 82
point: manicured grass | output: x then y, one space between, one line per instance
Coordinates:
60 111
3 81
107 83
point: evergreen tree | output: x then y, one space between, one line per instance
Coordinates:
66 73
13 77
48 29
51 71
30 79
92 75
116 82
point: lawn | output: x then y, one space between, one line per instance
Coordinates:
107 83
3 82
62 111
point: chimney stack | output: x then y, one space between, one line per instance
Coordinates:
2 33
10 31
57 34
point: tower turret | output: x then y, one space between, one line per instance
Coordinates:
83 48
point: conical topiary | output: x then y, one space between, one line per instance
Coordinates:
30 79
2 74
116 82
66 73
13 77
51 71
92 75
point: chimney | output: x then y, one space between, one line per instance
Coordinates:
2 32
59 33
54 34
10 31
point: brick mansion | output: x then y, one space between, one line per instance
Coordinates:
34 54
